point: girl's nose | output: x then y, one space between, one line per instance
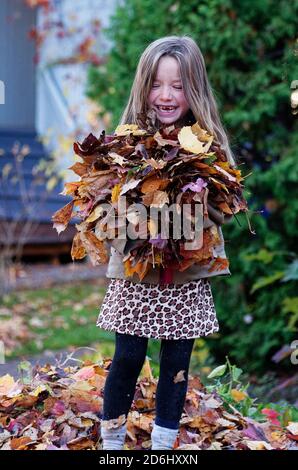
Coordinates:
165 93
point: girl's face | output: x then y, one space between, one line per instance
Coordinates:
166 96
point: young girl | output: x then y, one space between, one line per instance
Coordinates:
178 307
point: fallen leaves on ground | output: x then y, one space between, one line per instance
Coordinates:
61 409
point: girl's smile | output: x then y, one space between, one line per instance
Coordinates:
166 96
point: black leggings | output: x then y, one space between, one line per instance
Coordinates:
128 360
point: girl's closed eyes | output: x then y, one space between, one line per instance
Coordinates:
176 87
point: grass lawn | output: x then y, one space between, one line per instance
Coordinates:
53 318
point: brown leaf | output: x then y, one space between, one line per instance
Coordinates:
20 443
62 217
95 248
77 250
80 168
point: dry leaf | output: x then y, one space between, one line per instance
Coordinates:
190 141
179 377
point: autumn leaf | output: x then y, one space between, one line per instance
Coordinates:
116 192
77 249
193 139
79 168
272 415
62 217
95 248
114 423
130 185
95 214
153 184
179 377
6 384
117 158
293 428
146 370
20 443
71 188
219 264
238 395
160 198
126 129
258 445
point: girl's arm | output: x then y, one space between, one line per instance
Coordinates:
218 216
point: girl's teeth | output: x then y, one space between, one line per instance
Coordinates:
164 108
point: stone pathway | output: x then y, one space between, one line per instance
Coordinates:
46 275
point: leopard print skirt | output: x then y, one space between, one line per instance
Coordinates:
159 311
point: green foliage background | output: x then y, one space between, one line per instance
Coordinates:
251 55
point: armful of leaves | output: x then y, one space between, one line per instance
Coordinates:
218 216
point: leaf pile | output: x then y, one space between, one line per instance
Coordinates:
60 408
168 167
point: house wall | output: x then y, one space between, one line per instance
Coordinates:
17 69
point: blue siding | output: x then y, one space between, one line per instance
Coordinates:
39 204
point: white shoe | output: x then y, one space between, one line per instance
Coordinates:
113 438
163 438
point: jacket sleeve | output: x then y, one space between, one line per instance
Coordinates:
218 216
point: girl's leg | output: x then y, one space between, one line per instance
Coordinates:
170 396
127 363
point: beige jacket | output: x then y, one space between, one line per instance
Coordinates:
116 268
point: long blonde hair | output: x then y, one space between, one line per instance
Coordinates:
196 87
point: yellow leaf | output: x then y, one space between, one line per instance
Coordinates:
128 269
126 129
38 390
95 214
115 192
194 139
157 258
238 395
